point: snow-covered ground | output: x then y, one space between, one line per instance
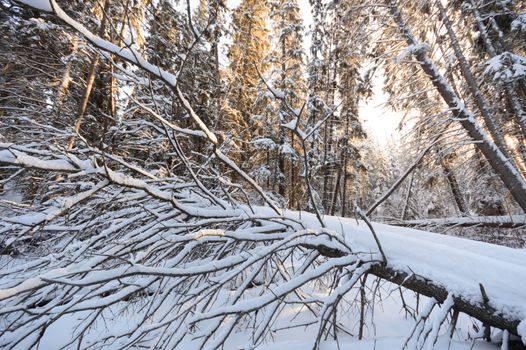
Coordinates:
387 325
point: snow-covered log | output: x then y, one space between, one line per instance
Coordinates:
503 221
437 265
481 311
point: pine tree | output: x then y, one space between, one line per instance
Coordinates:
250 46
351 48
287 60
335 90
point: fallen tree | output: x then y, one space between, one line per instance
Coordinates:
504 221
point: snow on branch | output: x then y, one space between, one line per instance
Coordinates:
179 264
519 23
203 269
411 50
506 68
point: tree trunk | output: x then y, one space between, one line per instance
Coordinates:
495 157
483 312
91 79
66 78
335 191
453 185
344 186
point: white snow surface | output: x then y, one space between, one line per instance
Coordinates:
411 50
43 5
506 67
519 24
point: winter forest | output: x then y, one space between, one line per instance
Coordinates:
263 174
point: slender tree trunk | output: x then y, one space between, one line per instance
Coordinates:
282 177
496 158
336 190
344 186
472 84
407 196
292 182
66 79
453 185
325 160
91 78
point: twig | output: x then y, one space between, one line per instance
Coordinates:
368 223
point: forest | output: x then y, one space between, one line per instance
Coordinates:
210 174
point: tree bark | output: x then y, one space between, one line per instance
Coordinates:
91 79
453 185
335 191
483 312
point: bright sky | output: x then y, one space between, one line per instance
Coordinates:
380 121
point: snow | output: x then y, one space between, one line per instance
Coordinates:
439 318
30 283
505 340
521 329
16 157
519 24
506 67
385 336
411 50
286 148
387 343
43 5
291 125
264 143
276 93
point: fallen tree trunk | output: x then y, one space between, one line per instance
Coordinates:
481 311
505 221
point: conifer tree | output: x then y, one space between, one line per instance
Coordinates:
247 53
287 60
